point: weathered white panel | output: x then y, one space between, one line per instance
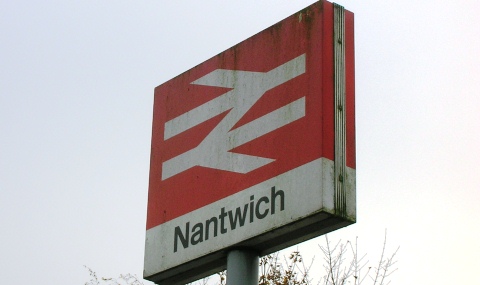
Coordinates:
307 189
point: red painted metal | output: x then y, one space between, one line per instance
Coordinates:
296 144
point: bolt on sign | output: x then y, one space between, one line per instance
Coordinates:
254 147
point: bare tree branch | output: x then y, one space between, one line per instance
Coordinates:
343 265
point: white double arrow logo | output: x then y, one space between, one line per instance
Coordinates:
247 88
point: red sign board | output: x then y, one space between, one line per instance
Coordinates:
254 147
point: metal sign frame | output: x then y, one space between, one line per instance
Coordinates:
254 148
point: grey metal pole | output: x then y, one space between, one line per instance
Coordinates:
242 267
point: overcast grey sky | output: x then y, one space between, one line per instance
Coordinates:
76 94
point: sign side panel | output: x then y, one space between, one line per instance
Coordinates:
350 87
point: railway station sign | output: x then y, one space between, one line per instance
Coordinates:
254 148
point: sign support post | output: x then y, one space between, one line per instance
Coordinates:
242 267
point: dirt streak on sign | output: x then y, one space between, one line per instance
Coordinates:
254 147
